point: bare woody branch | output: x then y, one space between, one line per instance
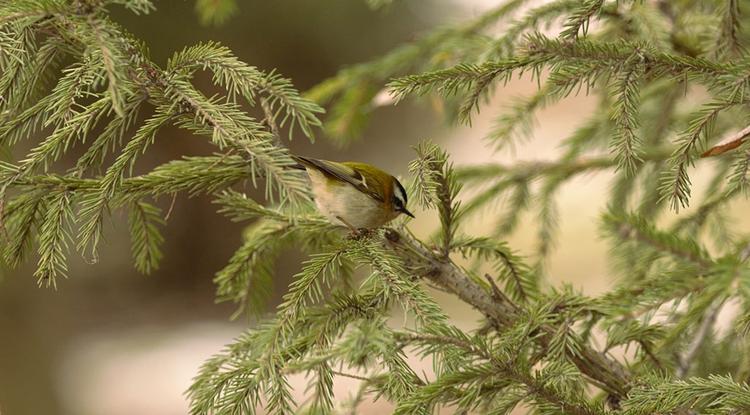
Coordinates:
730 143
603 371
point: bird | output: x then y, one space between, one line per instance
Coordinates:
353 194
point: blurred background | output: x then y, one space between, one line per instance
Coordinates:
112 341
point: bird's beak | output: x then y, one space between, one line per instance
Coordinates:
406 212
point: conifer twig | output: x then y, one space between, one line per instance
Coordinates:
351 376
270 120
533 385
686 360
608 374
69 72
729 143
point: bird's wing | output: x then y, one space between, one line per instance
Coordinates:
339 171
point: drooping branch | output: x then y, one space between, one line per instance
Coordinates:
685 361
534 387
605 372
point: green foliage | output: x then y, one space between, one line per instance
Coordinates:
436 187
144 219
107 84
53 239
376 4
715 394
352 91
670 79
215 12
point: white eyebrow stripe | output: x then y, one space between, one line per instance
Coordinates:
399 193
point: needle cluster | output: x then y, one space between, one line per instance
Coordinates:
671 78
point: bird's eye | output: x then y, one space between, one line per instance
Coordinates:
398 203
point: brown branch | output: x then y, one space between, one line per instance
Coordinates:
629 231
729 143
647 349
534 386
606 373
270 120
685 361
351 376
351 407
528 170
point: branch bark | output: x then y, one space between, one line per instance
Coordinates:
603 371
729 143
685 361
533 386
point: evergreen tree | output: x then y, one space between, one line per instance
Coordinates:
72 75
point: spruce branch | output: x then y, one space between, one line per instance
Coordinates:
573 64
522 175
608 374
729 38
229 127
73 76
139 7
740 176
74 128
113 59
516 122
729 143
228 72
717 393
21 217
530 170
241 79
704 331
626 144
636 300
107 83
234 379
579 20
193 175
355 87
113 133
436 186
53 240
30 11
676 183
391 270
96 206
146 239
544 14
519 281
449 82
32 73
635 227
533 386
685 361
248 276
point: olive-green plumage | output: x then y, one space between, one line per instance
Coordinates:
356 195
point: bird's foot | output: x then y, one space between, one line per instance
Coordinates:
361 233
354 233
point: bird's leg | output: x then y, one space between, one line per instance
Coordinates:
348 225
365 232
356 232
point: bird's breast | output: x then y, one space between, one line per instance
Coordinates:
342 200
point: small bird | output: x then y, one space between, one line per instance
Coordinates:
356 195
